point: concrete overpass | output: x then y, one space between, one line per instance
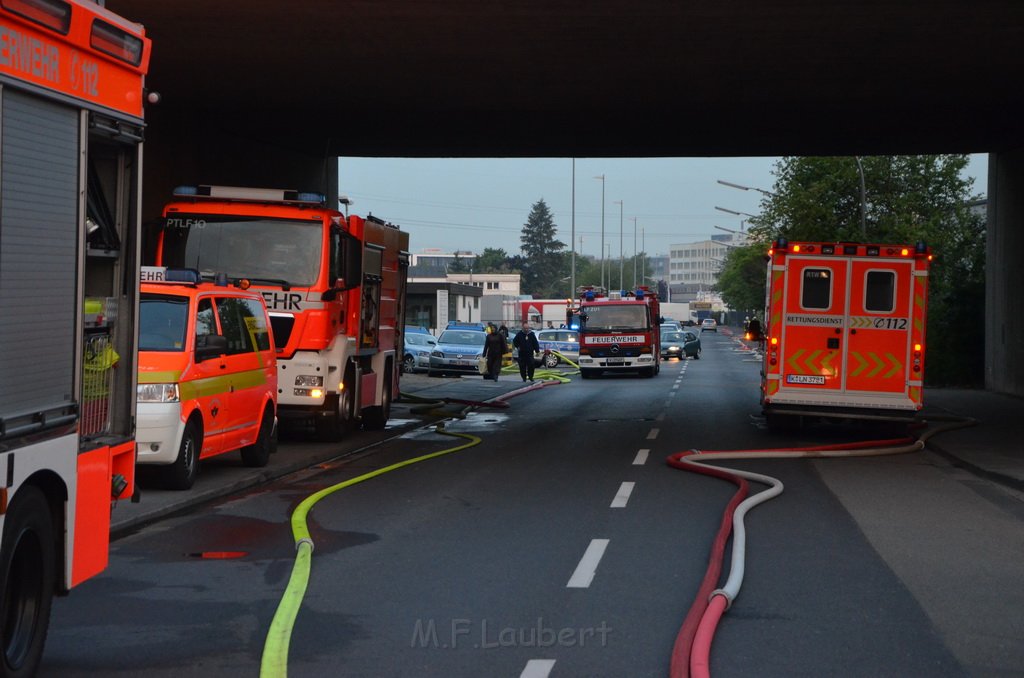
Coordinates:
269 93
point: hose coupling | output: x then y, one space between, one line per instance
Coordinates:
304 540
724 594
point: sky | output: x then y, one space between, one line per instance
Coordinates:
468 204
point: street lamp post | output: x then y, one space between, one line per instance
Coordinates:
601 177
621 261
746 188
643 262
572 275
634 253
863 218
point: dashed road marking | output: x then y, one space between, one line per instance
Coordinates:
587 567
538 668
653 434
641 457
622 496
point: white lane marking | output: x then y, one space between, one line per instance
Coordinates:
538 668
653 434
641 458
675 387
585 571
622 496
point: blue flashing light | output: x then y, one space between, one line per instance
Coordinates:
318 198
189 276
186 190
921 247
639 294
220 280
589 295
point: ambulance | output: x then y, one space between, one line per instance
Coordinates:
845 331
207 380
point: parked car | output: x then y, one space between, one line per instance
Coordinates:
207 381
416 351
566 342
457 351
709 325
680 345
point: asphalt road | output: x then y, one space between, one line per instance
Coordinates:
474 564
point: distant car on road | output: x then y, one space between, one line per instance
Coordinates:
566 342
457 351
416 351
708 324
680 345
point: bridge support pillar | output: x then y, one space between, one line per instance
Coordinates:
1004 300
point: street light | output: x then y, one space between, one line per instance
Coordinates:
602 230
863 220
746 188
739 214
572 287
634 253
621 206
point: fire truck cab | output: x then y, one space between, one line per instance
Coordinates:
618 332
845 331
334 286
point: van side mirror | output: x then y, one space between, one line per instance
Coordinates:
210 346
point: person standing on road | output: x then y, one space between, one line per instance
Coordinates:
495 347
526 343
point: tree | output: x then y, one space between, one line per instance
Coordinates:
460 265
492 260
742 279
544 259
908 199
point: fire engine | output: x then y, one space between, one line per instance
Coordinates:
335 286
844 331
71 121
620 331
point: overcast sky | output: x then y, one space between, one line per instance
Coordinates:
469 204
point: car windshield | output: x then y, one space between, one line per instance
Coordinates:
419 339
672 336
615 317
462 337
162 322
240 247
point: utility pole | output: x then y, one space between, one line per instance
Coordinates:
634 253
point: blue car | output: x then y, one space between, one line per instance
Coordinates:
416 351
457 351
680 345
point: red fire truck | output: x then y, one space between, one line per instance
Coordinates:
845 331
335 287
618 333
71 121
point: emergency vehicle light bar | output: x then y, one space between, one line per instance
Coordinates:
250 194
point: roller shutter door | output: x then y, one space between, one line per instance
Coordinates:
38 252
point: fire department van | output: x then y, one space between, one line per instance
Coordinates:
845 331
207 375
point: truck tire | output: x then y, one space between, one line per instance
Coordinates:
376 418
258 454
181 474
340 418
27 573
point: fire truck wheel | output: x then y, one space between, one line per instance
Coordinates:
376 418
258 454
339 417
181 474
27 565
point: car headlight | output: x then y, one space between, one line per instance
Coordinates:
422 353
673 348
309 380
157 393
436 354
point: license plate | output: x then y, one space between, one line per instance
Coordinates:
467 362
615 361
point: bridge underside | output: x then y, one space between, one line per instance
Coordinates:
268 93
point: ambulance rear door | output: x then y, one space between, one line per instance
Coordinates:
813 324
878 345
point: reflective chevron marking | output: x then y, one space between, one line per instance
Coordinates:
794 361
897 366
879 364
861 364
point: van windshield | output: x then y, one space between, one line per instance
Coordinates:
162 322
245 247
